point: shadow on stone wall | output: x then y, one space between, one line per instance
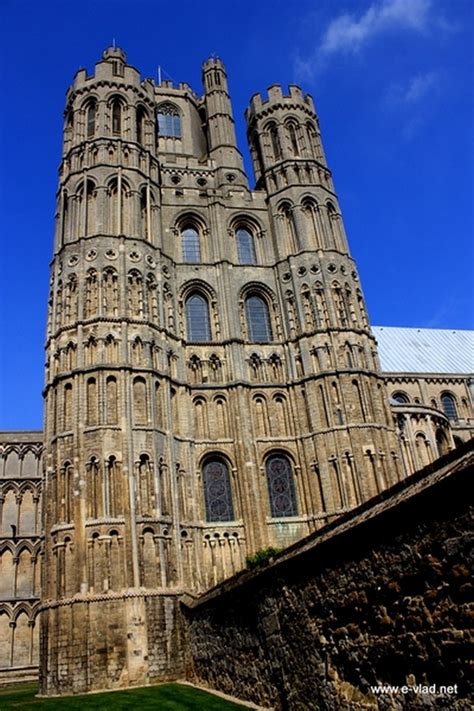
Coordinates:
381 596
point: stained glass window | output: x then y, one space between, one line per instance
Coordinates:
197 318
245 246
190 245
281 486
258 320
217 491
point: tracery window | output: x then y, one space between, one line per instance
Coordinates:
217 491
245 246
190 245
281 487
169 121
197 318
448 404
258 319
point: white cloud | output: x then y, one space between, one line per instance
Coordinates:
349 33
414 90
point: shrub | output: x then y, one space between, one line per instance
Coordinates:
261 557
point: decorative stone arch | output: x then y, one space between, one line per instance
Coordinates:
119 191
200 407
22 608
8 545
145 480
286 225
260 413
334 226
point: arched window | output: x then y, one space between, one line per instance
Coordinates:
293 138
169 121
400 398
116 117
275 141
258 319
442 442
141 119
90 119
140 401
281 487
448 404
190 245
197 318
217 491
245 246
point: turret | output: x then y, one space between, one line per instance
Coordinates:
283 128
220 124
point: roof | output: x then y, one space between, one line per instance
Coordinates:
425 350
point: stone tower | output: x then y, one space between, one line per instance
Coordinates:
212 384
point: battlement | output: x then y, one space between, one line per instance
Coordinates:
213 63
276 97
112 67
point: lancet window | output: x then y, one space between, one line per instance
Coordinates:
197 318
245 246
258 319
448 404
91 112
190 244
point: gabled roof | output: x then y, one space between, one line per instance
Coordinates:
425 350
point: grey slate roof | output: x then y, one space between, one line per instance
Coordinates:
425 350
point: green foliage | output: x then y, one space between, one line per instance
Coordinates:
261 557
165 697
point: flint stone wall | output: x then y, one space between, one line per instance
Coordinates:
382 596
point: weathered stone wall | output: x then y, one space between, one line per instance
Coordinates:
148 623
379 597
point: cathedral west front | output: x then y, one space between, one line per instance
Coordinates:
213 386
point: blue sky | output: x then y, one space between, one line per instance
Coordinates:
392 81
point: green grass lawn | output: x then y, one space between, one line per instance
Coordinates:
165 697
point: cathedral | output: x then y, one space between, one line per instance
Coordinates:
213 386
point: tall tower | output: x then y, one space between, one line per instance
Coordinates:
212 384
349 425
